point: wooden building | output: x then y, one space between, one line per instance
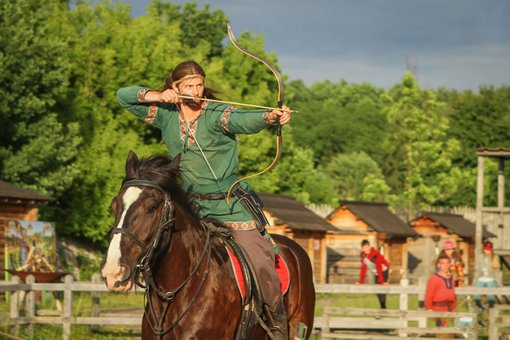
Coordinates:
291 218
17 204
356 221
434 229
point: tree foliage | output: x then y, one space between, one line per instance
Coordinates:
38 147
420 151
64 134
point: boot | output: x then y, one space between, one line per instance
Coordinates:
278 320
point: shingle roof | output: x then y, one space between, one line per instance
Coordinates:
11 191
294 213
455 223
379 217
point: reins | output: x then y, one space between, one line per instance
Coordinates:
143 266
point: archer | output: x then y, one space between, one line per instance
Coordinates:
204 133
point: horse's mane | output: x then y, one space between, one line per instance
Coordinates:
163 171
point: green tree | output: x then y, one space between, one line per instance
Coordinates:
478 120
357 176
338 118
420 151
38 146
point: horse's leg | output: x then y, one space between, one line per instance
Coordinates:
300 299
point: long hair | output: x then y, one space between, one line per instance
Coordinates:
184 69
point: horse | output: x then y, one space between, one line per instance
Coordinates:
190 286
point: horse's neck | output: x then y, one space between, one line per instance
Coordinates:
187 243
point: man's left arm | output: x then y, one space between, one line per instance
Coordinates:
235 120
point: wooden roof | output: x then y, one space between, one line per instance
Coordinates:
378 217
10 191
294 213
457 224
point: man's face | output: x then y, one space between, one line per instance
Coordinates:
366 248
443 265
193 87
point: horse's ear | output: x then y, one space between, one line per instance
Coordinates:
176 161
131 163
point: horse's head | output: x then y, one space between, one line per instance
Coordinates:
143 211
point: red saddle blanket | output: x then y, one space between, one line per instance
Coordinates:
280 266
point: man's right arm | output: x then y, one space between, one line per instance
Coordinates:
140 101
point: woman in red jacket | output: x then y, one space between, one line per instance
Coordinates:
440 294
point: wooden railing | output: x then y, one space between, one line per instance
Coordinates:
400 317
498 319
26 291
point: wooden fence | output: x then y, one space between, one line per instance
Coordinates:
498 319
366 319
26 291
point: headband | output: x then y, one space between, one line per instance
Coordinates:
188 77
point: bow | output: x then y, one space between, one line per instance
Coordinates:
279 80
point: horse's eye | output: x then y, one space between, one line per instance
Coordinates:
152 209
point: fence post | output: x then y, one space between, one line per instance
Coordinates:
68 307
96 299
404 306
14 310
422 287
30 304
493 329
325 319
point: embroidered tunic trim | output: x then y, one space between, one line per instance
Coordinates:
250 225
141 95
188 133
265 116
225 117
153 111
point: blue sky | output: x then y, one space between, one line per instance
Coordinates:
459 44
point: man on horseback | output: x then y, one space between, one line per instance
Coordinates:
204 133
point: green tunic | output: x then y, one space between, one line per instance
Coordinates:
215 131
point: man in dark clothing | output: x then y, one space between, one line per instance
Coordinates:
372 260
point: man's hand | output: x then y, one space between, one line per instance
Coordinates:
169 96
284 115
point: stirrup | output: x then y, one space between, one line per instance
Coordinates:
277 332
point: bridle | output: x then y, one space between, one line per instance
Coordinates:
166 224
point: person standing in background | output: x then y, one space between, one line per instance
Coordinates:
373 260
440 293
488 264
456 264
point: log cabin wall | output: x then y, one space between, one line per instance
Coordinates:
424 251
344 247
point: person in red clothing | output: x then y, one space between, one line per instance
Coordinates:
440 294
372 260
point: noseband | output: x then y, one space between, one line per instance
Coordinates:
143 266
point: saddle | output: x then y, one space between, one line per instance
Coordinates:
280 266
247 283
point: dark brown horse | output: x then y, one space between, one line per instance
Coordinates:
190 286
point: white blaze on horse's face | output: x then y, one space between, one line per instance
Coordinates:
112 270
